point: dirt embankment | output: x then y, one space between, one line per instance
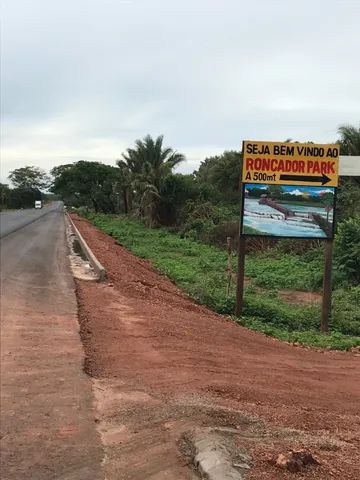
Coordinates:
164 365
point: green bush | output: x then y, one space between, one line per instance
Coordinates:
347 250
203 222
273 269
346 310
272 310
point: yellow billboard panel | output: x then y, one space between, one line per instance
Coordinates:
290 163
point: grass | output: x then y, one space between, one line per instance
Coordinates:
311 338
200 270
251 230
274 269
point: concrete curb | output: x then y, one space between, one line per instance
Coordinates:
213 457
99 269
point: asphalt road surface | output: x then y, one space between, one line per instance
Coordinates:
47 413
12 220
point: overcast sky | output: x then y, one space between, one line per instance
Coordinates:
82 79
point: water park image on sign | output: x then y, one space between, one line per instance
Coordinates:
288 210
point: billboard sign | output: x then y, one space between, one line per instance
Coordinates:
289 189
290 163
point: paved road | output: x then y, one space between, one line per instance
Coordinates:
13 220
47 418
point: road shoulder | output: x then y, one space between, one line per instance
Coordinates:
48 413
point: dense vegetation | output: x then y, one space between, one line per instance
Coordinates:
28 183
190 218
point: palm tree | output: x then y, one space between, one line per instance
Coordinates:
349 145
150 164
327 199
349 140
125 185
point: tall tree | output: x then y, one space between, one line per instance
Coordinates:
87 183
348 199
60 169
150 163
4 195
275 191
349 140
29 178
222 173
327 199
125 185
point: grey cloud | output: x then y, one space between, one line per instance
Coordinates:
88 77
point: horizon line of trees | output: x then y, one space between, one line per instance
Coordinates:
143 182
29 183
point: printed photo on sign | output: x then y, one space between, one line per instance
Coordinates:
288 210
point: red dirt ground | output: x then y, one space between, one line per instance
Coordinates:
163 365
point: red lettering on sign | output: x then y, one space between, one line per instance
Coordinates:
249 164
290 166
258 164
266 164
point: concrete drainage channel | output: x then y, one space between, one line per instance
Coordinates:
215 457
84 264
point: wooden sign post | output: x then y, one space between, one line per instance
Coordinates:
240 276
327 287
241 252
